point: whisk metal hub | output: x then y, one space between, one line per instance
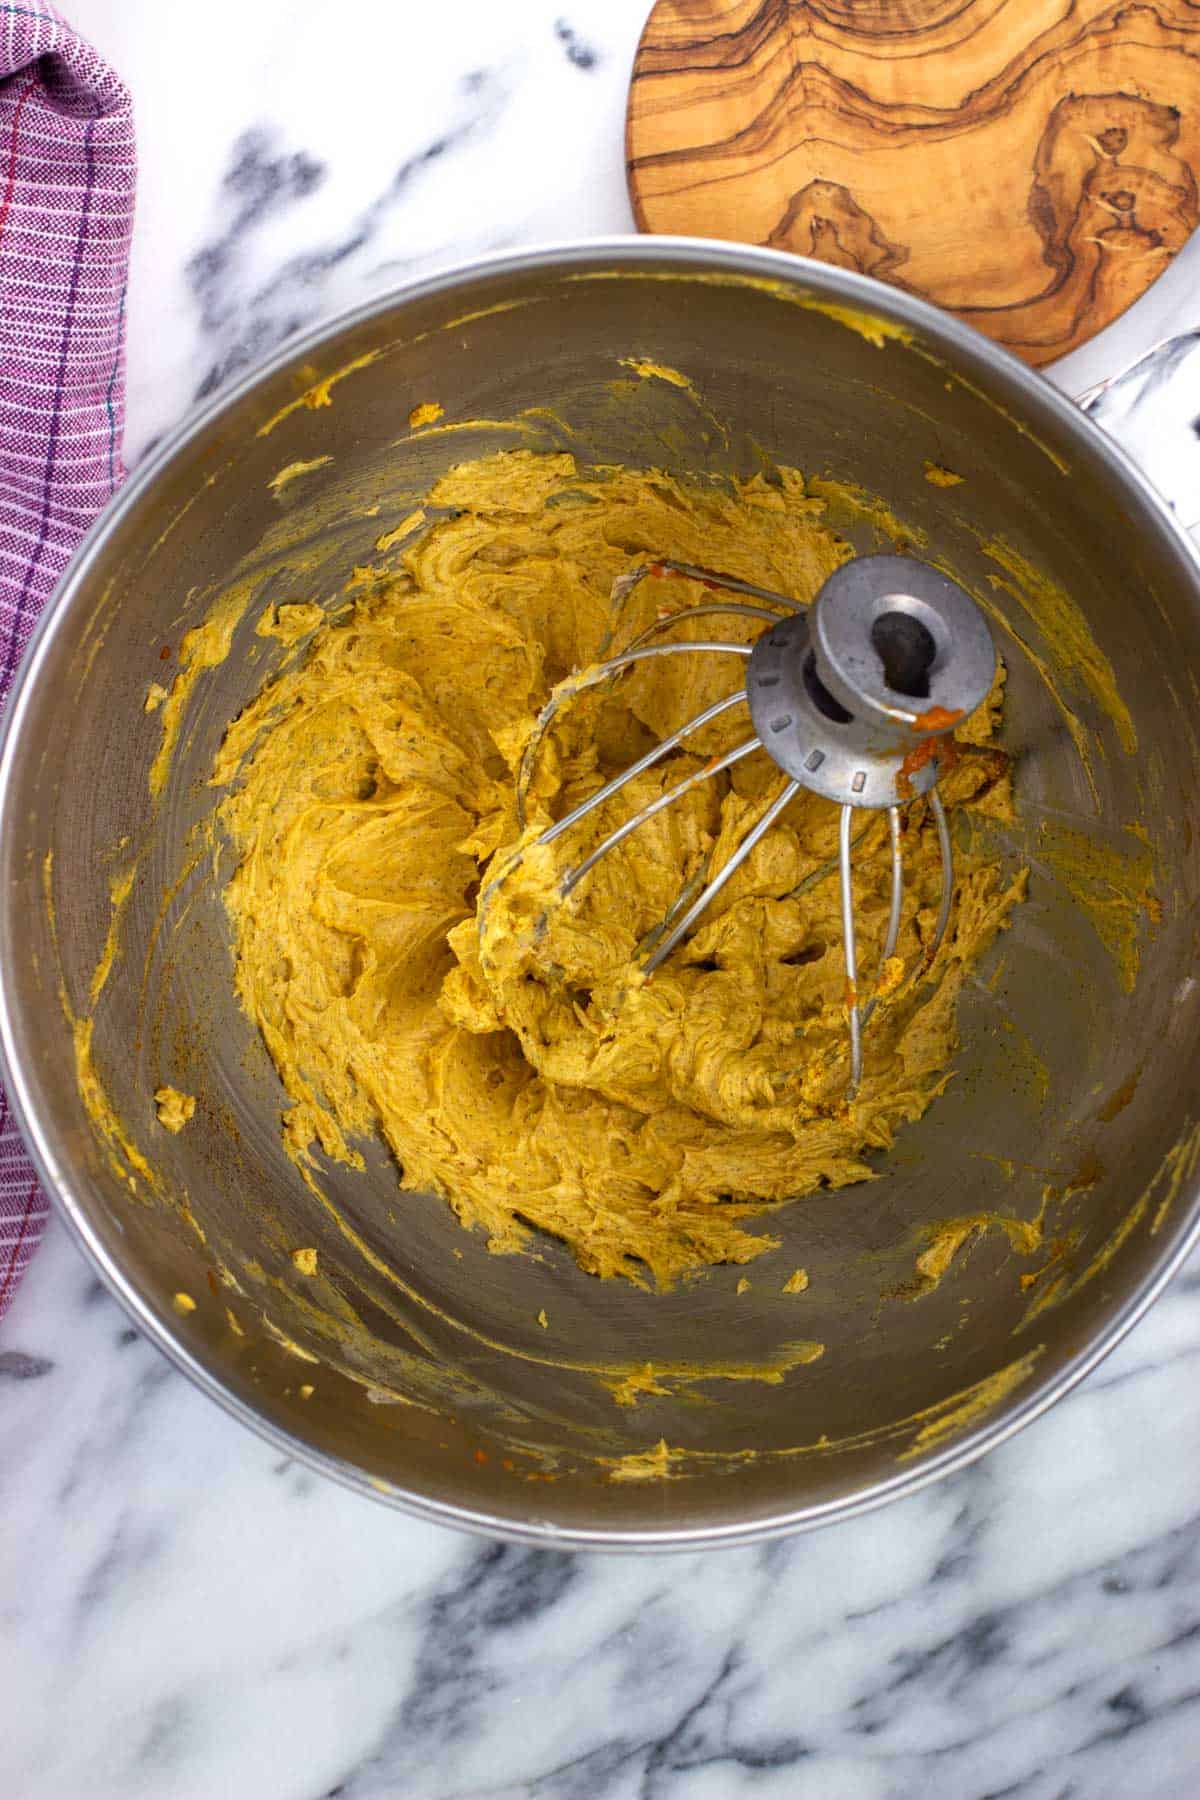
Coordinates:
892 654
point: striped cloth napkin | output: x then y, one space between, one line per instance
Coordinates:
67 166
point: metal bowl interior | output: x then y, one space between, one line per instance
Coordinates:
417 1368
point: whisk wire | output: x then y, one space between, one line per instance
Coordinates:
849 942
569 690
705 899
714 767
636 768
665 565
892 937
893 930
704 610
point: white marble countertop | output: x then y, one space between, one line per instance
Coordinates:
186 1616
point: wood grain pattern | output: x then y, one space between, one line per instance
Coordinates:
1031 165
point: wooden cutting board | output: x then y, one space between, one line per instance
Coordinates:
1031 165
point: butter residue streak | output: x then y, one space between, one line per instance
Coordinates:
121 1153
1081 737
124 1157
656 1464
630 1385
291 471
1058 617
952 1416
119 891
1177 1170
648 370
409 525
947 1238
320 393
285 1342
869 326
846 500
1115 893
875 329
204 647
932 1424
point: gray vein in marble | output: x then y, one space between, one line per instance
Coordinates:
15 1365
579 53
166 1725
240 329
501 1588
115 1427
129 1552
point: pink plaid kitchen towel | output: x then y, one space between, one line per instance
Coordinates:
66 213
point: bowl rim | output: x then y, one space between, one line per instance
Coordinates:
962 344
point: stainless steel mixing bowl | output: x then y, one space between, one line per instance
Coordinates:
416 1367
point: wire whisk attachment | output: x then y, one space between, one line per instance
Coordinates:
854 699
